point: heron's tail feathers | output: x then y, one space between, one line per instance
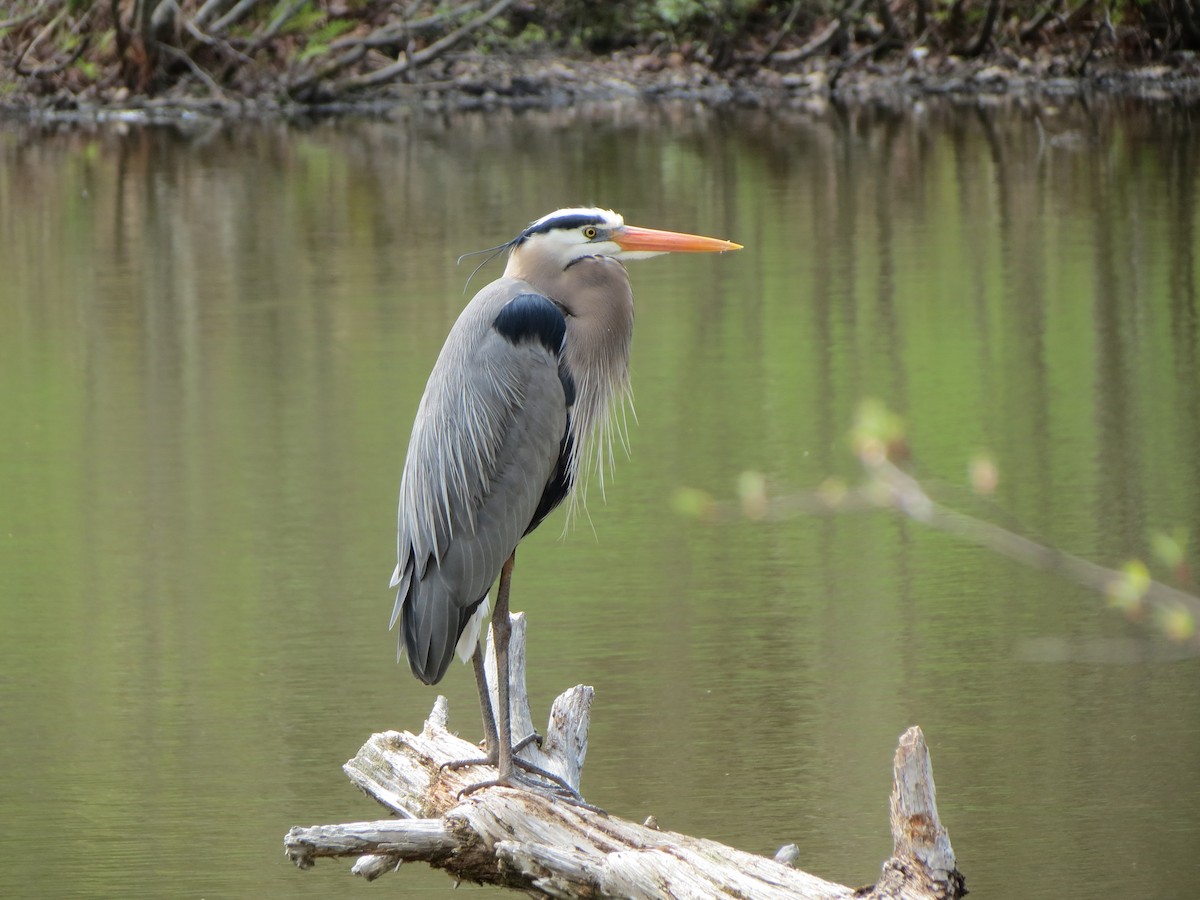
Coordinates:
433 629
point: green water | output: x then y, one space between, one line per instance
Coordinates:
212 344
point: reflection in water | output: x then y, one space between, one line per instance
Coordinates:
213 343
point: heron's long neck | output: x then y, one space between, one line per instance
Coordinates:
596 295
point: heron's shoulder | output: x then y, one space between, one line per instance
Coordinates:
532 317
518 312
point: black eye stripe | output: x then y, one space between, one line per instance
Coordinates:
575 220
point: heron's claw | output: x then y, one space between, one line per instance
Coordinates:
455 764
542 781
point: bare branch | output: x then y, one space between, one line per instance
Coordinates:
817 44
232 17
910 498
399 839
209 81
395 32
22 19
208 10
1049 11
529 841
780 33
276 24
300 87
218 44
37 39
434 50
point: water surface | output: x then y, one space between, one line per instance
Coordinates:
212 343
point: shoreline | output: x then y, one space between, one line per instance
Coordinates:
473 81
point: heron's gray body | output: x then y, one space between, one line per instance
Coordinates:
497 443
514 416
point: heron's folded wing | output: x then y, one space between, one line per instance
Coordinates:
485 444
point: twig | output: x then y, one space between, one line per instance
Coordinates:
209 81
209 9
779 35
43 71
910 498
356 48
232 17
394 31
301 87
37 39
216 43
21 20
819 42
387 73
279 21
892 488
1048 12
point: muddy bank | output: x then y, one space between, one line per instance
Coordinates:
543 81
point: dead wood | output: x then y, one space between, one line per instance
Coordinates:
548 848
421 57
821 40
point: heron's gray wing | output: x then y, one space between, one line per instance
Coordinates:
484 446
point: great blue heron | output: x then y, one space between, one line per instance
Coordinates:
517 402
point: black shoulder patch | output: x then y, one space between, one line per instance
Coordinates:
532 317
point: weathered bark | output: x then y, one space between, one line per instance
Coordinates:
551 848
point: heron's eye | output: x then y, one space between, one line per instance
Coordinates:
590 232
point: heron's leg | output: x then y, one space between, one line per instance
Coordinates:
490 741
502 632
504 756
497 731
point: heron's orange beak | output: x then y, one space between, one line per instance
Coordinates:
630 237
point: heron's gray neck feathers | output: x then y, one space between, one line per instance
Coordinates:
595 294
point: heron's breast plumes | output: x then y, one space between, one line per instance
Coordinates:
599 335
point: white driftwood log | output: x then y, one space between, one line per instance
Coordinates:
549 848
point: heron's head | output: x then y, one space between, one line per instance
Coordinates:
565 235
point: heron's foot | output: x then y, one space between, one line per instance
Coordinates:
559 783
539 781
524 742
492 759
